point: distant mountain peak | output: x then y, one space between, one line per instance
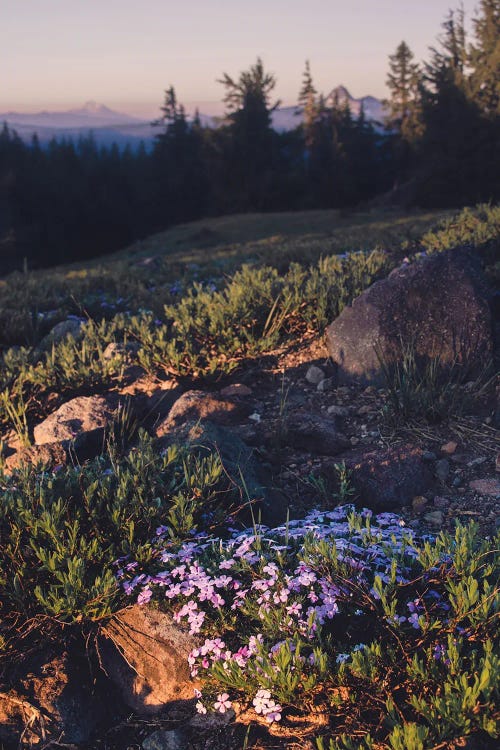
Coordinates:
341 93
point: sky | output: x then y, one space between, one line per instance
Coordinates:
58 54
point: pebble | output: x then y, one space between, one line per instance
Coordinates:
440 502
338 411
428 456
236 389
354 441
419 503
442 469
449 448
477 461
327 384
163 739
435 517
315 375
364 410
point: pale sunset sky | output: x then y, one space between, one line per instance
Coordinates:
57 54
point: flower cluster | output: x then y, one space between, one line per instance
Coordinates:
277 583
265 705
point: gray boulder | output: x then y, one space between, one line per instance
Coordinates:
437 305
81 421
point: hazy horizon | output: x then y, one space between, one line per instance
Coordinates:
65 53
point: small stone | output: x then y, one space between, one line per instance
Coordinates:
419 503
489 486
327 384
236 389
172 739
442 469
340 411
315 375
457 481
477 462
354 440
435 518
440 502
120 349
449 448
364 410
429 456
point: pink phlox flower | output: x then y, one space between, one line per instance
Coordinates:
144 596
173 591
294 609
222 704
280 597
196 622
178 572
200 708
227 564
217 600
222 581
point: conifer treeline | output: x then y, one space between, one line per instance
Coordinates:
441 147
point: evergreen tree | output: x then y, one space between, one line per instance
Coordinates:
307 107
250 140
404 104
485 59
456 147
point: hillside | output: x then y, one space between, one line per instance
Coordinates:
249 488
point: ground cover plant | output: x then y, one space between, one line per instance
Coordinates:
389 639
393 639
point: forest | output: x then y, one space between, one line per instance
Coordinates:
439 147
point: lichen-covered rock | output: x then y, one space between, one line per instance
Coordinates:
145 654
195 405
437 306
83 419
71 328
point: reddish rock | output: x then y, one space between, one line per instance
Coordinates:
85 414
236 389
47 456
195 405
438 305
449 448
145 654
54 698
488 486
389 478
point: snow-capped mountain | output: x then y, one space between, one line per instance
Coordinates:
373 108
109 126
91 115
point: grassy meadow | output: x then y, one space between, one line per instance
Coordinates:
397 648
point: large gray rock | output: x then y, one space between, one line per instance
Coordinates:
437 305
83 419
145 654
71 328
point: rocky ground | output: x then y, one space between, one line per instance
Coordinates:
302 437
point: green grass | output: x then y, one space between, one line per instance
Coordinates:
216 295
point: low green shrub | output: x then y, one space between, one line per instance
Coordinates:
60 532
393 639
